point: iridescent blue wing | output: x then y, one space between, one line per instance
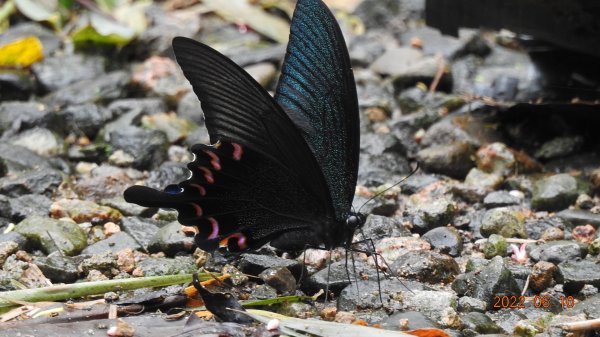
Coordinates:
317 90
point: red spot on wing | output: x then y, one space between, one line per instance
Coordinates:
207 174
214 160
238 151
201 189
198 209
215 228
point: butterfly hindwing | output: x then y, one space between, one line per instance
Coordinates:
317 90
235 194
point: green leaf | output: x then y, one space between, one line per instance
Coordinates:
103 31
66 4
266 24
106 5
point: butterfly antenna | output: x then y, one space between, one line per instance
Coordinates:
389 188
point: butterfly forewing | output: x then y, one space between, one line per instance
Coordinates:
317 90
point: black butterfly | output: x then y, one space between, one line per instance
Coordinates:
281 170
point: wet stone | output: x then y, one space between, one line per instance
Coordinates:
263 292
104 262
100 89
426 266
83 118
447 240
578 217
41 141
142 230
279 278
58 268
504 221
480 323
113 243
493 279
126 208
470 304
27 205
167 173
483 180
417 182
51 235
148 147
495 246
156 266
453 159
254 264
554 193
84 211
575 274
559 147
558 251
377 227
171 240
38 181
415 320
15 237
337 277
367 295
501 199
549 229
52 74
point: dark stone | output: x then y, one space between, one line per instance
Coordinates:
575 274
577 217
128 209
503 221
140 229
366 295
39 181
416 320
148 106
554 193
263 292
251 56
426 266
114 243
445 239
377 227
454 160
15 237
480 322
58 268
59 71
157 266
16 85
104 261
18 158
337 276
493 279
171 240
365 48
377 144
380 169
101 89
148 147
18 116
470 304
389 14
500 199
558 251
416 182
28 204
279 278
535 228
168 173
84 119
254 264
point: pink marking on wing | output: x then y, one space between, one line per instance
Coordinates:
238 151
241 240
201 189
215 228
214 161
207 175
198 209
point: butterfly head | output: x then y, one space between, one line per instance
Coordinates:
354 221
